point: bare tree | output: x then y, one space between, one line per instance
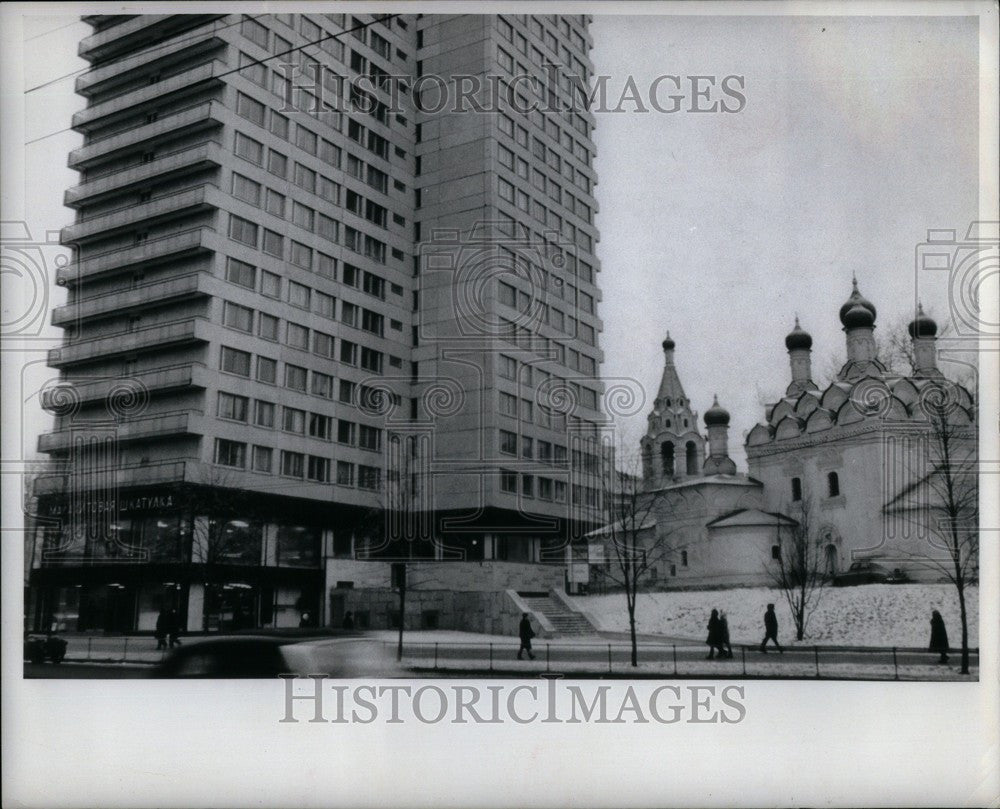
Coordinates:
945 501
635 535
224 531
800 572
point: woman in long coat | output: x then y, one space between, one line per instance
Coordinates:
939 636
714 639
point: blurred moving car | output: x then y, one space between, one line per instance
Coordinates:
267 656
867 572
39 648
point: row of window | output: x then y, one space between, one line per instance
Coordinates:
549 125
234 407
549 452
239 455
549 37
303 297
547 488
296 377
510 296
832 486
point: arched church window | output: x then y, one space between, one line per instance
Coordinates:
832 484
685 422
692 458
796 489
776 552
684 558
667 457
667 422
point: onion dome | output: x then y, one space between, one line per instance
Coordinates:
857 299
716 415
798 338
668 344
922 325
857 317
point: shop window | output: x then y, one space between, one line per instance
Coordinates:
298 546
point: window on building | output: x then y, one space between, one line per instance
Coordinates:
321 385
832 484
295 378
264 414
318 469
369 477
796 489
684 558
293 420
267 370
508 442
238 317
776 552
292 464
230 453
233 407
262 459
508 482
667 457
241 273
235 361
267 327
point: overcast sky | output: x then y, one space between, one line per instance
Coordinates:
857 136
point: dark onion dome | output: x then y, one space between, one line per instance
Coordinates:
857 317
922 325
798 338
668 344
716 415
857 299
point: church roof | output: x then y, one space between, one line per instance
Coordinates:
751 516
670 382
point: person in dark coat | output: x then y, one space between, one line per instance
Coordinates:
714 639
939 636
174 628
527 633
770 629
162 626
725 647
348 620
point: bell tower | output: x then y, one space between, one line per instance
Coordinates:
672 448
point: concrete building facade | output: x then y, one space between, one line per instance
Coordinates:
267 350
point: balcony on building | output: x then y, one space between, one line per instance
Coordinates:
155 382
148 428
161 209
152 338
135 299
137 256
189 45
138 32
168 166
176 471
170 90
183 123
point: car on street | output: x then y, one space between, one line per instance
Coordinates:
866 571
346 654
39 648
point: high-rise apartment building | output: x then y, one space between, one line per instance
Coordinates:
326 268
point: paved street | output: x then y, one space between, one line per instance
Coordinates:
115 657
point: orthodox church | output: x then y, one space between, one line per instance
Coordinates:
836 458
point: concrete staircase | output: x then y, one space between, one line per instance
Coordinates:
563 620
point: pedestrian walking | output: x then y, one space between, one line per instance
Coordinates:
725 648
939 636
173 628
348 622
526 633
714 639
770 629
162 623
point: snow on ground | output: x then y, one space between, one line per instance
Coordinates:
868 615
